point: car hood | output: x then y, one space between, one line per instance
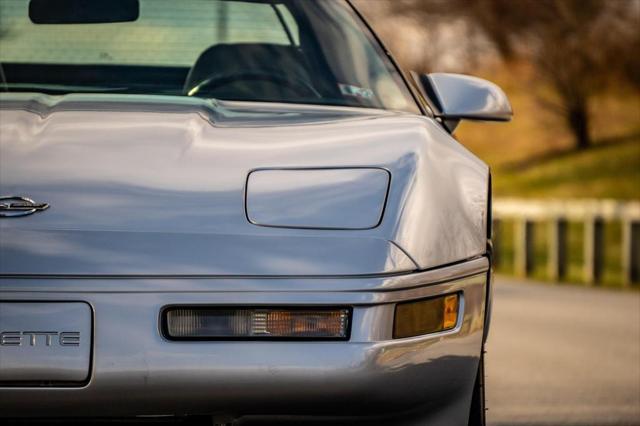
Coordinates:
156 186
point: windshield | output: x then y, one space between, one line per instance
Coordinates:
299 51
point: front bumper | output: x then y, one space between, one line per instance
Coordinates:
136 372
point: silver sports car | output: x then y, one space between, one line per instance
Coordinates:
239 209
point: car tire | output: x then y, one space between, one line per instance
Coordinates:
477 414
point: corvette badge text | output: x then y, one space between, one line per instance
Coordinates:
37 338
12 206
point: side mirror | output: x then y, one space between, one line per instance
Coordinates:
455 97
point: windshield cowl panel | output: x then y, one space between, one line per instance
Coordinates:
282 51
217 113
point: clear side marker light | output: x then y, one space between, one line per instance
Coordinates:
211 323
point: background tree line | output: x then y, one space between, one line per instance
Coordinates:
578 48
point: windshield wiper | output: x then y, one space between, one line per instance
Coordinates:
59 88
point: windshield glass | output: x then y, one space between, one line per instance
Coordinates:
300 51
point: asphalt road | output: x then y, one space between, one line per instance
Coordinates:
563 355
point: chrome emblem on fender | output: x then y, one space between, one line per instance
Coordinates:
13 206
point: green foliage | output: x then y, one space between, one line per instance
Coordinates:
607 172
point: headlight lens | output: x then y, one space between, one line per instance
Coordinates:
426 316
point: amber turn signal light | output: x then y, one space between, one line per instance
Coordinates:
426 316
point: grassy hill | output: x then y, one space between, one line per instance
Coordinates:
533 155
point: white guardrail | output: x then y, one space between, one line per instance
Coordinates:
594 214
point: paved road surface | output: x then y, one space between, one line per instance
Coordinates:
563 355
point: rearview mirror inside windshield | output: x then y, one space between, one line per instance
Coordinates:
83 11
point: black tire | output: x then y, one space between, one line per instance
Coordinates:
478 410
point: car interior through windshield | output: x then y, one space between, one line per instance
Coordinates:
243 50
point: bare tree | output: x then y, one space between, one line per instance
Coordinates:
577 47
